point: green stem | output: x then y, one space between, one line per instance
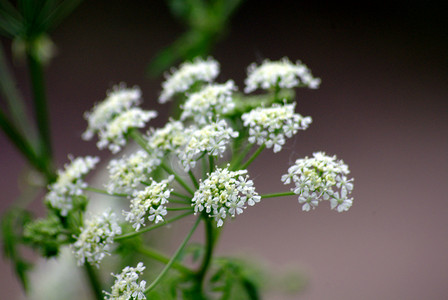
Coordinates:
179 208
211 163
100 191
210 239
163 259
178 179
178 201
40 105
94 281
181 196
253 157
193 179
155 226
238 159
277 195
173 258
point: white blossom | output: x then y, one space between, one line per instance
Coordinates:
169 138
282 73
118 100
318 178
69 183
126 285
188 73
127 173
272 125
151 201
212 139
225 193
210 102
113 135
96 237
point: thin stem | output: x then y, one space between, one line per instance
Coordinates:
179 208
132 234
177 201
277 195
40 105
193 179
178 179
181 196
173 258
236 161
151 253
94 281
211 163
254 156
100 191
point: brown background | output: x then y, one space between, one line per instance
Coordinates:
382 107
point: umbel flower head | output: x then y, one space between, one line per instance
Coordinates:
209 103
151 201
282 74
127 173
126 285
169 138
225 193
69 183
188 74
273 124
318 178
96 237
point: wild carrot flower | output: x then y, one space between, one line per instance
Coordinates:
126 286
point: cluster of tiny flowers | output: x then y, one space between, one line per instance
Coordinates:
114 135
152 201
211 138
271 125
97 235
188 74
169 138
320 178
210 102
127 173
70 183
118 100
282 73
225 193
126 286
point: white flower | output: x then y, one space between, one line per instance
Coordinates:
126 286
210 102
127 173
152 201
212 138
225 193
169 138
320 178
118 100
113 135
283 74
69 183
188 73
273 124
96 238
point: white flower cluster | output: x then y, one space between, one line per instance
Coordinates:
317 178
271 125
282 73
209 103
127 173
188 74
152 201
70 183
211 138
112 118
97 236
225 193
126 286
118 100
114 135
169 138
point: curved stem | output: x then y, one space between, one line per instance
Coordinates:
277 195
193 179
173 258
188 198
132 234
94 281
253 157
151 253
100 191
178 179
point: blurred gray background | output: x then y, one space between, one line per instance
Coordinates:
382 107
